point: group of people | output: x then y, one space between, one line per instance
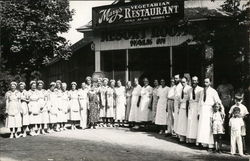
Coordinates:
191 113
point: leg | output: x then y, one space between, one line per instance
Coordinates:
216 141
244 144
219 141
233 142
239 144
11 132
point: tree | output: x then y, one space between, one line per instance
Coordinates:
30 33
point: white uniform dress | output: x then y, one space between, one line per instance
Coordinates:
74 106
34 108
120 103
146 98
42 103
177 96
14 119
161 114
52 107
110 102
24 108
192 126
65 106
133 116
103 99
60 114
205 135
170 107
182 116
83 100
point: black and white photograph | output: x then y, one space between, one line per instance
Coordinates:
124 80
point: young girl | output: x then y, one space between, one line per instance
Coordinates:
217 121
24 108
236 124
14 120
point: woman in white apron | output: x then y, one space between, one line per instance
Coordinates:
74 106
65 105
83 100
13 120
120 103
24 109
52 107
161 109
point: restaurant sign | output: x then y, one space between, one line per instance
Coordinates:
137 13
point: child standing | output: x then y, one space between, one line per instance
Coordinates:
217 121
243 114
236 124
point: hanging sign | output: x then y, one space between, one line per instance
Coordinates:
137 13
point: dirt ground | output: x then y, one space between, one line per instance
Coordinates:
107 144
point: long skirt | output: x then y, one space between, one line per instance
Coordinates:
35 116
192 126
182 120
161 114
144 109
53 118
14 121
133 115
45 116
110 112
154 108
170 114
25 114
128 107
83 113
205 135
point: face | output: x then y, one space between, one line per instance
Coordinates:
237 113
172 82
52 88
12 87
119 83
33 86
88 81
40 86
129 84
105 82
21 87
145 81
64 87
83 85
136 81
156 83
194 81
163 83
238 101
58 85
176 79
99 82
183 81
112 84
216 108
73 86
206 82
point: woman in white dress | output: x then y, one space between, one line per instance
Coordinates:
133 115
13 120
161 110
24 109
145 102
52 107
129 90
74 106
103 101
34 109
60 114
155 100
65 105
111 103
42 101
120 103
84 102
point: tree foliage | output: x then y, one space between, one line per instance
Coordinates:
30 32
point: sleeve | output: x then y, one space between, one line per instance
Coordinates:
231 110
241 122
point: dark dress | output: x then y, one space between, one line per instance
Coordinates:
93 107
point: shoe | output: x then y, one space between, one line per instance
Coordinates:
32 133
18 136
24 135
43 132
11 136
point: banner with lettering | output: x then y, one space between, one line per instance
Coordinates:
137 13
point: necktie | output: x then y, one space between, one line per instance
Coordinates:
182 93
205 95
194 93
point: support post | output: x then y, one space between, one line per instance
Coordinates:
97 61
171 61
127 70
